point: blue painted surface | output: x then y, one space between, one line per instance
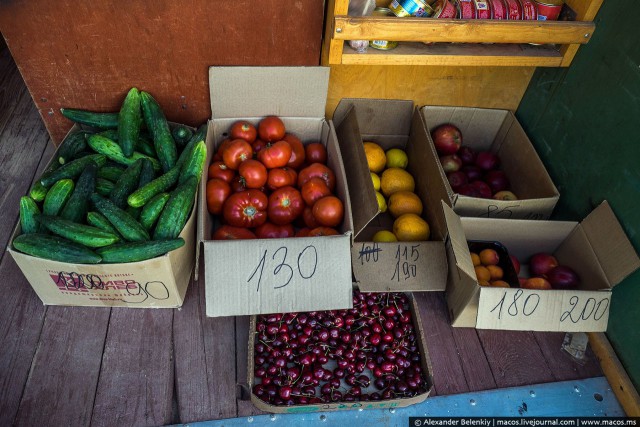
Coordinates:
590 397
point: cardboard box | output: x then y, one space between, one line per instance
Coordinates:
597 249
275 275
497 131
398 266
425 363
155 283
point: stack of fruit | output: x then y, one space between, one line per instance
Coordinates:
488 271
470 173
265 183
368 353
546 273
119 194
394 188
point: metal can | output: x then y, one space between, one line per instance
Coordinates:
549 10
498 10
466 10
529 10
514 10
383 44
483 10
404 8
444 9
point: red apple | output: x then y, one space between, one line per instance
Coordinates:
522 280
467 155
457 179
516 263
505 195
483 189
450 163
487 161
536 283
473 172
447 138
563 277
469 191
497 180
541 263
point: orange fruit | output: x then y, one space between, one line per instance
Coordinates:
499 284
475 259
410 228
376 158
483 283
482 273
396 179
402 202
496 272
489 257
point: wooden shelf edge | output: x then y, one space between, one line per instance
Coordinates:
616 374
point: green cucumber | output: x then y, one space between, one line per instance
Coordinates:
129 121
71 170
71 146
112 134
145 146
112 151
57 197
100 221
146 176
138 251
159 128
112 173
194 162
151 211
177 210
28 212
125 185
181 135
76 207
90 118
200 134
38 192
55 248
162 183
127 226
85 235
104 187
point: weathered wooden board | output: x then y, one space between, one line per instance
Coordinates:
87 55
562 366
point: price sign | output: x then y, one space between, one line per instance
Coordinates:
277 275
410 266
527 309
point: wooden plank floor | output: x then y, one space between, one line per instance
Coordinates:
100 366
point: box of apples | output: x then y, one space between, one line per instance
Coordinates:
274 210
542 276
487 164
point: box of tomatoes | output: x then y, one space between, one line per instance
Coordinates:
399 244
274 209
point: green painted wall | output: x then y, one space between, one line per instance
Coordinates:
585 123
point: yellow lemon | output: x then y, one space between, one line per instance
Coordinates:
376 159
382 203
396 179
410 228
376 181
397 158
384 236
402 202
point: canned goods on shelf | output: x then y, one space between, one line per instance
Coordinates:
466 9
383 44
444 9
514 10
529 10
483 10
498 9
549 10
404 8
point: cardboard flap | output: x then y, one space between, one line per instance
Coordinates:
361 192
611 245
458 242
261 91
378 117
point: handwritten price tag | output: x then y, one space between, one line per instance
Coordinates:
526 309
278 275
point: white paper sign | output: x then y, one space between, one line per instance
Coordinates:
543 310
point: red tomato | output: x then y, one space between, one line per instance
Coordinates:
258 145
237 152
246 209
223 146
328 211
271 128
322 231
218 191
281 177
243 130
297 151
228 232
237 184
317 170
308 219
303 232
221 171
269 230
316 153
313 190
285 205
253 173
275 155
